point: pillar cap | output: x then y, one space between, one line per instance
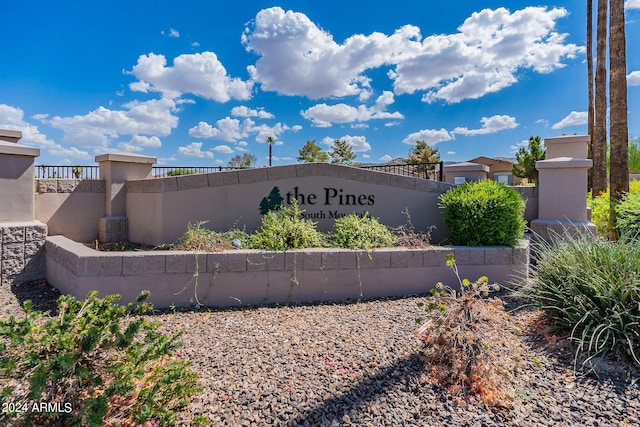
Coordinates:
564 163
18 150
126 158
10 135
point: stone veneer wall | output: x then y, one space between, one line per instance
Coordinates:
22 257
252 277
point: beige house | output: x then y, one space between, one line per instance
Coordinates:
500 169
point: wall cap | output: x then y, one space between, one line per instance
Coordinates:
18 150
126 158
564 163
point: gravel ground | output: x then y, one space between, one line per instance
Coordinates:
358 364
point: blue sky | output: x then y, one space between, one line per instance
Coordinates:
196 82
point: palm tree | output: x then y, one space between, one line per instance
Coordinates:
270 141
599 152
590 83
618 121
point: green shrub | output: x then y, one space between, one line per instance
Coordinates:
483 213
104 363
628 216
179 172
285 228
361 232
590 288
600 209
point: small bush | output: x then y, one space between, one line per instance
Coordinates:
198 238
628 216
470 347
285 228
179 172
590 288
407 236
361 232
483 213
600 208
103 363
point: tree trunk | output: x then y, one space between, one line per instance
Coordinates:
599 174
590 112
619 133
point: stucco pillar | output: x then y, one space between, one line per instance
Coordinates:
116 169
562 182
22 238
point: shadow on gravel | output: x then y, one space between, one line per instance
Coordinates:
42 295
400 374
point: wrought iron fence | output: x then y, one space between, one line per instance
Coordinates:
421 170
67 172
434 171
165 171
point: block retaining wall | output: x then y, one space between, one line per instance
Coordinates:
254 277
22 257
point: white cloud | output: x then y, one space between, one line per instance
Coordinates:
632 4
323 115
386 158
13 118
59 151
633 79
99 127
201 74
485 55
430 136
244 111
194 150
223 149
358 144
139 143
228 129
522 144
232 130
575 118
174 33
451 153
490 125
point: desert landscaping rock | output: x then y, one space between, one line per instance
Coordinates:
358 364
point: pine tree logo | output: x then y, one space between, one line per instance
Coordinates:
272 202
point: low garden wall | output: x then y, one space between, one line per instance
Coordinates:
71 207
244 277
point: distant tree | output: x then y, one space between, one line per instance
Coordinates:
270 141
526 167
423 153
342 153
311 152
244 161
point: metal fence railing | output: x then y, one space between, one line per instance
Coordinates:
434 171
165 171
67 172
421 170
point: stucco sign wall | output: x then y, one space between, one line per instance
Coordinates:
160 209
